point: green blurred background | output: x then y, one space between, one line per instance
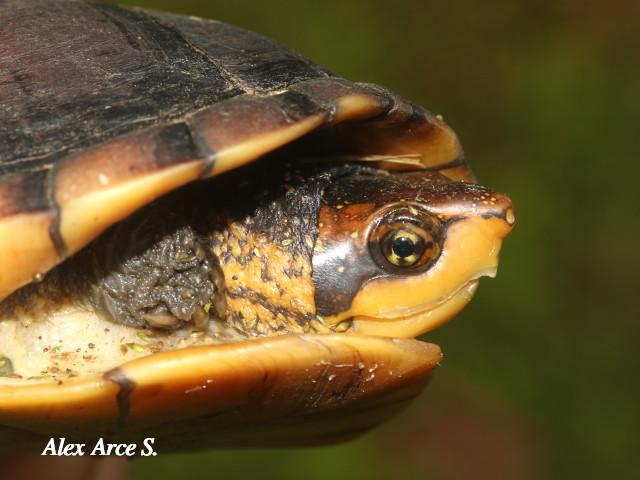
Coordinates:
540 378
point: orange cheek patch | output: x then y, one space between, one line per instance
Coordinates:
415 304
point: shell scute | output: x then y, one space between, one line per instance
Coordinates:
251 61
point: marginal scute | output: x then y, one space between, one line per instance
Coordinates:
278 387
24 193
26 249
244 128
344 100
123 160
85 217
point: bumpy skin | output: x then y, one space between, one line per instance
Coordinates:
154 274
263 240
237 248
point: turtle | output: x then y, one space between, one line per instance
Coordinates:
208 239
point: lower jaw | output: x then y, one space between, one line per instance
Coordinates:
416 324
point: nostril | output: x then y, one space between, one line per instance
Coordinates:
510 216
503 207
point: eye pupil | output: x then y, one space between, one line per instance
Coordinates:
405 240
403 247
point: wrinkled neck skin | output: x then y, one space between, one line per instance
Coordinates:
264 242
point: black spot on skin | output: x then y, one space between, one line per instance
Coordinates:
264 273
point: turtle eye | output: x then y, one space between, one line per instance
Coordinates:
403 247
405 239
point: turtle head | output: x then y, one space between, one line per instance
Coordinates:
399 254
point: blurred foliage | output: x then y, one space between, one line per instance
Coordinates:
540 375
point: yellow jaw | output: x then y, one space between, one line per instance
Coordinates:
407 307
412 325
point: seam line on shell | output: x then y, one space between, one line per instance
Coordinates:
54 226
203 148
123 397
232 77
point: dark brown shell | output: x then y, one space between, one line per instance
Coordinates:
105 108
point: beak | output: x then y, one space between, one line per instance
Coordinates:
421 303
